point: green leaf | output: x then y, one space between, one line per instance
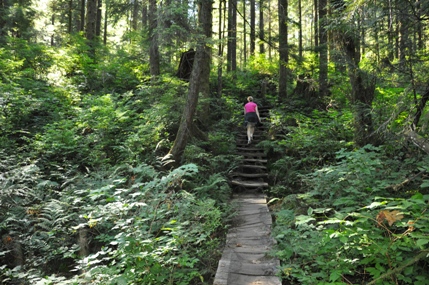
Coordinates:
421 242
302 219
335 275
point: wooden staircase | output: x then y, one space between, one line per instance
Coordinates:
252 172
245 258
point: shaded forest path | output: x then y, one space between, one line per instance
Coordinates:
245 259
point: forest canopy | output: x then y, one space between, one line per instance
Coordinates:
116 148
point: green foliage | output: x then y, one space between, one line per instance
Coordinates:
146 227
304 142
347 230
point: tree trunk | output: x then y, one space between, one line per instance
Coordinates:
82 15
70 17
53 24
91 19
391 32
323 50
404 37
144 15
154 57
300 29
283 48
99 18
135 18
106 12
316 24
252 27
363 90
232 36
419 109
261 27
244 33
199 77
220 48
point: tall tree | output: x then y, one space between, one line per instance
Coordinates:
16 19
154 56
252 26
405 44
91 19
323 49
200 76
300 28
82 16
362 83
283 48
70 17
261 27
232 36
99 18
222 13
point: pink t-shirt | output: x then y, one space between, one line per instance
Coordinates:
250 107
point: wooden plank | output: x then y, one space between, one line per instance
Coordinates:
255 160
249 175
250 184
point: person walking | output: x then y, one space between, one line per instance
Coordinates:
251 117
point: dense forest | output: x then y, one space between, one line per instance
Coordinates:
118 126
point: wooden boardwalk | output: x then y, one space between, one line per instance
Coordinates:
245 258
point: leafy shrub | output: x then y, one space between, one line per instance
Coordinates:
345 230
145 227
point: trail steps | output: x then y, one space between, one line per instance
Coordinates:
245 259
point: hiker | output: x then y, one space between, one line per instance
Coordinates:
251 117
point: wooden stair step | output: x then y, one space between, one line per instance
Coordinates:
250 148
249 184
251 154
255 160
253 166
249 175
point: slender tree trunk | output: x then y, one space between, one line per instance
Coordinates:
200 75
70 17
404 36
99 18
316 24
205 21
419 9
82 15
252 27
91 19
323 49
144 15
244 33
419 109
270 49
135 18
283 48
220 49
390 29
300 29
232 36
261 27
363 90
105 21
53 24
154 57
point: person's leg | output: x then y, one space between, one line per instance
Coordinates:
249 134
250 131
